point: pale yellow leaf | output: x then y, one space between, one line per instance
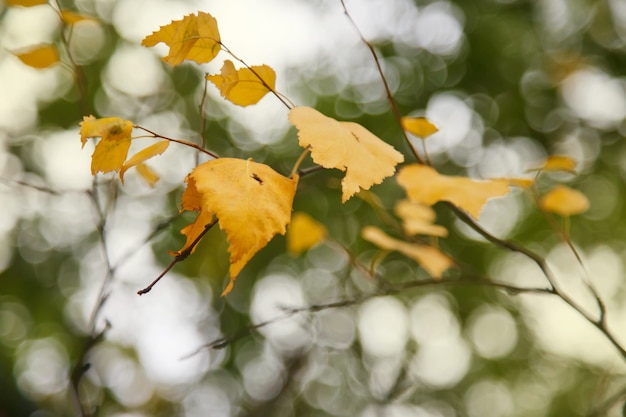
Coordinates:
425 185
417 219
430 258
346 146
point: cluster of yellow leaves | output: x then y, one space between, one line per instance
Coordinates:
111 151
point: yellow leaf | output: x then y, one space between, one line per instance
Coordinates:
419 126
112 149
39 57
524 183
251 200
564 201
430 258
243 86
417 219
558 163
346 146
70 17
194 37
143 155
425 185
25 3
304 233
147 174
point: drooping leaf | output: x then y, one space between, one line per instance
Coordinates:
558 163
417 219
346 146
419 126
243 86
196 38
142 156
25 3
304 233
564 201
70 17
42 56
251 200
147 174
430 258
425 185
112 149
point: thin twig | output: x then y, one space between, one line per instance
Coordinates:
180 141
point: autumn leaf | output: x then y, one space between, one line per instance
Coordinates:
148 175
430 258
140 157
25 3
417 219
251 201
112 149
564 201
419 126
70 17
346 146
304 233
194 37
243 86
425 185
42 56
558 163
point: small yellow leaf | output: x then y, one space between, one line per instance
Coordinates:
425 185
39 57
524 183
142 156
417 219
564 201
196 38
558 163
419 126
25 3
430 258
346 146
147 174
251 200
243 86
304 233
70 17
112 149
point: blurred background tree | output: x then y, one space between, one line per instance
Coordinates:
508 82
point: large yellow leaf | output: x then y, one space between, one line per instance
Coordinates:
251 200
143 155
564 201
42 56
243 86
304 233
430 258
419 126
194 37
425 185
346 146
115 133
417 219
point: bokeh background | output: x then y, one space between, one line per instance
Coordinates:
508 82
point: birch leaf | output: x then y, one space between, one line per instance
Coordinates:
143 155
112 149
304 233
243 86
564 201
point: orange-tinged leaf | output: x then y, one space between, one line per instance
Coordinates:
147 174
346 146
251 200
25 3
112 149
70 17
196 38
564 201
419 126
558 163
142 156
39 57
304 233
417 219
430 258
425 185
243 86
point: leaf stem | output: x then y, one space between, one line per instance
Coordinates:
296 166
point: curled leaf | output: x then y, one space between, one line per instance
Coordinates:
419 126
417 219
564 201
425 185
39 57
346 146
430 258
111 151
244 86
304 233
251 201
194 37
